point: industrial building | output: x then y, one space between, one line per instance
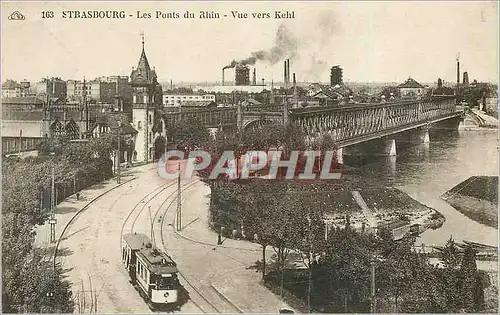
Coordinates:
336 76
241 75
170 100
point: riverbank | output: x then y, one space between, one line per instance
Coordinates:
368 204
476 198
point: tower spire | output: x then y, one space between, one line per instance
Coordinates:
142 35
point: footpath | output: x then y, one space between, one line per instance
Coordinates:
70 208
241 286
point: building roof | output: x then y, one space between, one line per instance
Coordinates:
10 84
330 91
198 103
109 121
411 84
25 100
253 101
143 73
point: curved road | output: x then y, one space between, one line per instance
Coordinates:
90 249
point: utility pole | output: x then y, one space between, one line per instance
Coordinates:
373 301
52 220
86 108
311 257
179 208
20 140
118 175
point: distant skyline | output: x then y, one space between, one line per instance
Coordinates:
371 41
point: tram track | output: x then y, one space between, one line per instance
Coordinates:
138 210
197 290
162 222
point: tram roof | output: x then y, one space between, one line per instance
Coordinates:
136 241
157 262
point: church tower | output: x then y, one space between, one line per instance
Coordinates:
144 100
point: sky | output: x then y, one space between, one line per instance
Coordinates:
371 41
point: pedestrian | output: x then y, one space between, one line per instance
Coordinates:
78 196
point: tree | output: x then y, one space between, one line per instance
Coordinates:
450 276
189 135
257 220
310 237
472 289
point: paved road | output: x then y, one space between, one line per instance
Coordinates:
91 252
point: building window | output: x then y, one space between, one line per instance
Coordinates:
139 124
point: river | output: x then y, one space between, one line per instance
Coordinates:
426 171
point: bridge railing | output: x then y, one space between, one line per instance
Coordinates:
208 117
345 123
348 107
264 108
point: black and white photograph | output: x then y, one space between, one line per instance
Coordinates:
249 157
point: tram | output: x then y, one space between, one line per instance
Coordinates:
151 271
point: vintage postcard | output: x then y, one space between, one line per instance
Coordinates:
249 157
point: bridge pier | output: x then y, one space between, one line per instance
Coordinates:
414 136
376 147
447 125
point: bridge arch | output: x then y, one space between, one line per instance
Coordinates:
256 124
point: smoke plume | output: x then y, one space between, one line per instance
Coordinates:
308 43
285 46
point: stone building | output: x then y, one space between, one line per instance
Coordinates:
146 100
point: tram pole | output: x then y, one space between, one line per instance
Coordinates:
373 299
118 177
52 220
179 208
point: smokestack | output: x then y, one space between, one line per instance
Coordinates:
458 71
284 78
222 76
171 85
465 78
254 80
263 82
288 72
294 81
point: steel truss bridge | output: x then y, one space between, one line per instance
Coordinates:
347 124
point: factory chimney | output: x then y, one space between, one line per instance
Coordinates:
222 76
254 80
458 70
295 98
465 79
284 78
288 72
263 82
